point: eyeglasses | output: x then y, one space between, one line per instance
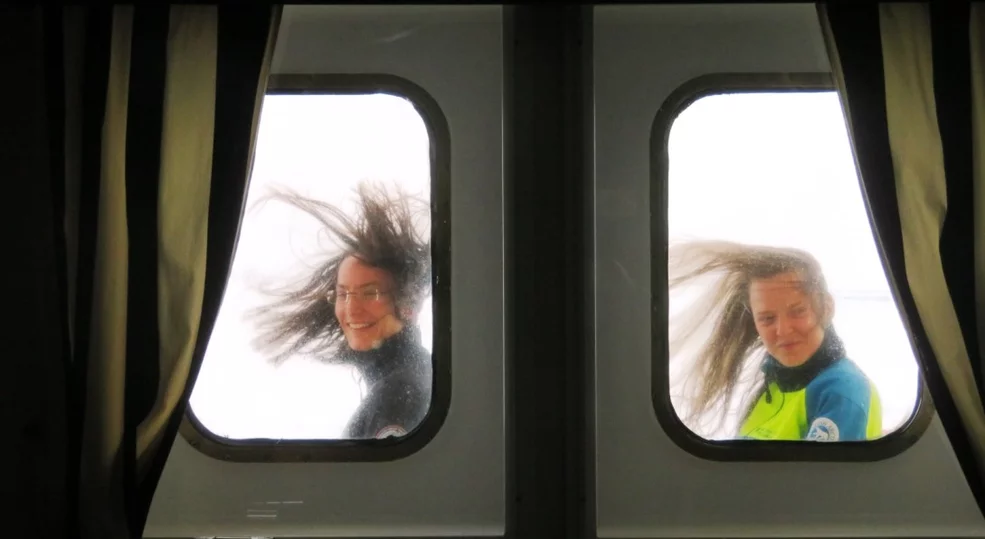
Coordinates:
363 296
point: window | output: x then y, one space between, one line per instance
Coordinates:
761 342
317 354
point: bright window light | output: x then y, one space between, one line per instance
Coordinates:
319 146
777 169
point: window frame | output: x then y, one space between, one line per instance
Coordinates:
372 450
739 450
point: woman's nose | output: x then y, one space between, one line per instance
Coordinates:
782 326
353 306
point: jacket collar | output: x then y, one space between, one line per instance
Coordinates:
795 378
403 349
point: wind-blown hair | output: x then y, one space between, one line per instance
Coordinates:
733 352
383 234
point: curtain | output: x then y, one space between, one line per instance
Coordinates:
912 82
33 459
135 146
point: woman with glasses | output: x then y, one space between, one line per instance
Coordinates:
359 308
769 314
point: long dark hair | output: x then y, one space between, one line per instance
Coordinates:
733 351
386 233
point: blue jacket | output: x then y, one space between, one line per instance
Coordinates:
827 399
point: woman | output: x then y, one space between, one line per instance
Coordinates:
772 320
359 307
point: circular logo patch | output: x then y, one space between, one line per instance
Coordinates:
391 431
823 430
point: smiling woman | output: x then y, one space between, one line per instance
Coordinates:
772 319
782 173
326 329
359 306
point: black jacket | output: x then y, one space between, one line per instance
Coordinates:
398 380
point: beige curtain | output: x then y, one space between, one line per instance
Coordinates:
911 80
151 114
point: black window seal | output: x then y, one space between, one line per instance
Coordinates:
388 449
739 450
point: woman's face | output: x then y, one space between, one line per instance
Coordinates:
364 304
785 318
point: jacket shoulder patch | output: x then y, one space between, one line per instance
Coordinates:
823 430
391 431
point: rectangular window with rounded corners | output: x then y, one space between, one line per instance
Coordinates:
333 338
774 326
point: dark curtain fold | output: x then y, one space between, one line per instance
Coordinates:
32 390
905 74
94 25
144 124
128 151
951 50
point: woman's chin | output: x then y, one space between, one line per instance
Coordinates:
791 362
371 338
364 344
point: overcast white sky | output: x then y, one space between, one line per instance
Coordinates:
777 169
757 168
322 147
